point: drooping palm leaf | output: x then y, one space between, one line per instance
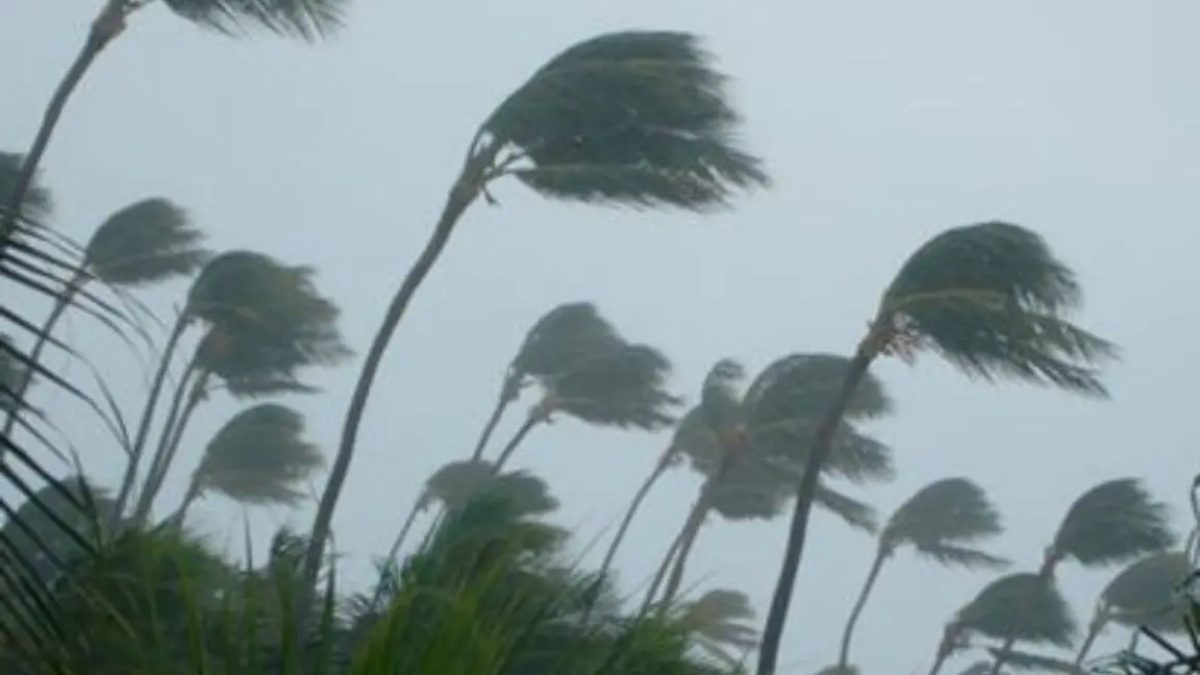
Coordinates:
1111 523
719 621
1144 593
994 301
636 118
562 338
941 518
12 374
1024 662
1022 606
308 19
457 483
623 386
145 242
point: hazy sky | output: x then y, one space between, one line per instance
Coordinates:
882 122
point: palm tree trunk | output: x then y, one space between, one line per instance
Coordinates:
465 190
691 529
872 576
193 491
35 353
169 445
659 469
408 523
821 448
661 574
1046 571
507 396
1094 629
107 25
514 442
139 443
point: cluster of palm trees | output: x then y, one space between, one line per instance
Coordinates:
628 118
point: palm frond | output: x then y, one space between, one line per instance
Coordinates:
854 513
307 19
719 399
1111 523
993 300
637 118
562 338
1022 606
962 556
145 242
1144 593
624 386
456 484
719 621
37 203
801 386
948 511
260 457
1021 662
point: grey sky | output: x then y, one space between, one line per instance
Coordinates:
882 122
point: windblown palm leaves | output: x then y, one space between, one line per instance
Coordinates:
1142 594
719 621
36 200
1111 523
994 301
1025 607
634 118
941 521
307 19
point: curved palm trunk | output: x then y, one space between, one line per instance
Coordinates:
1097 625
35 353
169 445
872 576
107 25
507 396
464 192
515 442
661 574
193 492
821 448
408 523
1046 571
139 443
691 529
945 648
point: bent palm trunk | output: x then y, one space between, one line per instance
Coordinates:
691 529
506 397
661 574
872 576
659 469
1094 629
514 443
168 448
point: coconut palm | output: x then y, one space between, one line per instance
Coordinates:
719 622
149 241
751 448
990 298
562 338
632 118
622 386
260 457
1142 594
941 521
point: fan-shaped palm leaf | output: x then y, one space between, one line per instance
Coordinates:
308 19
625 118
145 242
719 621
1023 606
1111 523
992 299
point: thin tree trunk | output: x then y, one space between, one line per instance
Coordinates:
691 529
661 574
166 455
821 448
515 442
872 576
506 397
139 443
945 648
193 491
462 194
1094 629
408 523
106 26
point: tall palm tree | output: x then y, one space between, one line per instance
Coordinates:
148 241
719 621
941 521
260 457
623 386
560 339
993 300
304 18
1142 594
751 449
633 118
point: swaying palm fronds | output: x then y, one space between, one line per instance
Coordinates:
1023 606
308 19
1142 594
145 242
994 301
719 622
635 118
1112 523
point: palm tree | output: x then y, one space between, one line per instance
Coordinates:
304 18
751 449
940 521
562 338
718 622
633 118
260 457
147 242
623 386
1142 594
993 300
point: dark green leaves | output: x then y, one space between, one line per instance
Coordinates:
635 118
994 300
457 483
145 242
623 386
1144 592
941 518
720 622
307 19
1112 523
37 203
259 457
563 337
1020 606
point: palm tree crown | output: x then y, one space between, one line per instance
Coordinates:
1112 523
308 19
1023 606
145 242
940 518
719 621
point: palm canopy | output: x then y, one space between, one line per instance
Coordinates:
308 19
720 622
1112 523
147 241
1023 606
635 117
622 386
259 457
941 520
993 299
562 338
457 483
1144 593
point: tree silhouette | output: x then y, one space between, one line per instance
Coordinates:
940 521
561 339
991 299
634 118
719 622
260 457
149 241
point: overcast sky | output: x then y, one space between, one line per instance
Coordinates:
881 123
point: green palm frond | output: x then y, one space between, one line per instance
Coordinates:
307 19
1144 592
624 386
801 386
980 668
940 518
561 339
1022 606
720 400
1111 523
856 514
37 203
637 118
1024 662
145 242
455 484
993 300
260 457
720 621
12 374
